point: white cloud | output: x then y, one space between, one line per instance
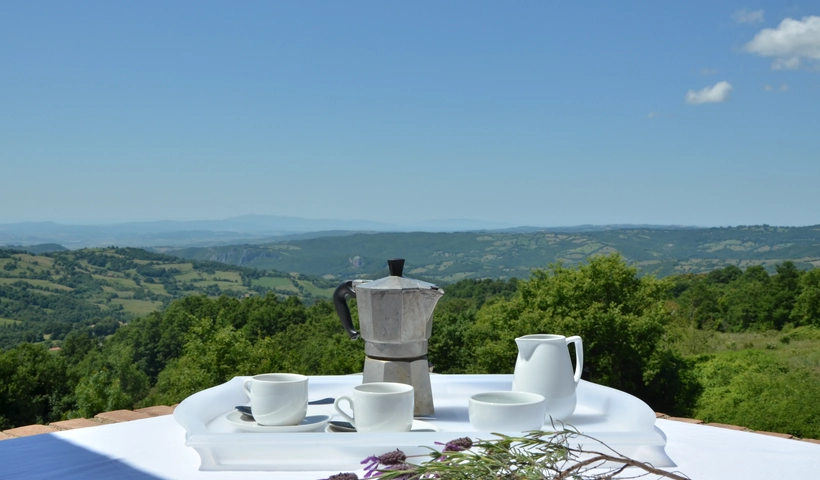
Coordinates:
717 93
790 43
652 115
708 71
770 88
745 16
791 63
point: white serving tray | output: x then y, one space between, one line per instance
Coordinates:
621 421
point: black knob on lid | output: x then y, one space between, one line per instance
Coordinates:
395 265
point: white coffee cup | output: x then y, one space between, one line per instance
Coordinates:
278 398
507 411
379 407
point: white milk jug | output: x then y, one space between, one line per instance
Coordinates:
543 366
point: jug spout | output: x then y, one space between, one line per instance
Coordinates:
528 343
526 346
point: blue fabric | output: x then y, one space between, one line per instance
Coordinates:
49 457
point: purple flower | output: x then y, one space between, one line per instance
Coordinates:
457 445
372 462
343 476
395 458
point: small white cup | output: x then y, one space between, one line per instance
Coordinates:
379 407
278 399
507 411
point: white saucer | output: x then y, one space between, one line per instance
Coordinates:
247 424
418 426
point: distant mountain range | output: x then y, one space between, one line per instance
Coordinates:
449 257
358 249
246 229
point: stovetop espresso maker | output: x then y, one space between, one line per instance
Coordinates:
396 320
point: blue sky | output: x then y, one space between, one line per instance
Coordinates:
523 113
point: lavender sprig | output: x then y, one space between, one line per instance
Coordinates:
535 455
389 459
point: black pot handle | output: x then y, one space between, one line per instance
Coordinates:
340 300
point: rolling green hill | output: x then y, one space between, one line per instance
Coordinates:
449 257
44 296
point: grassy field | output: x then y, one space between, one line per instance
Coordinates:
191 276
228 286
38 260
218 276
766 381
276 283
786 342
137 307
455 277
39 283
8 321
83 286
156 288
229 276
314 290
182 267
116 281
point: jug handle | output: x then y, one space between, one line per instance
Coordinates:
579 356
340 301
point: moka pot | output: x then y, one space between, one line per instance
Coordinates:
395 322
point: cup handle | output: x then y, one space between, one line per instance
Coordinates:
338 409
247 387
579 356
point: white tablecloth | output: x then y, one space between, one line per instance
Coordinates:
155 449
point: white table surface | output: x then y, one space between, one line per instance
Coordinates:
155 448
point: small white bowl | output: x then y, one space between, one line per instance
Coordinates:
507 411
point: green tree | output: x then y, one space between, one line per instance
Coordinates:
32 384
269 315
213 353
747 302
725 275
152 340
76 345
620 316
449 351
111 381
786 286
807 304
758 390
319 346
700 303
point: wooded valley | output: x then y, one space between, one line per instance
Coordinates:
448 257
737 346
